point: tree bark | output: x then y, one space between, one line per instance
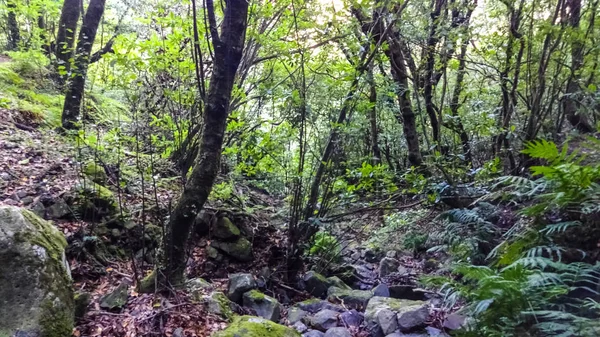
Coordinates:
376 153
87 35
571 101
65 39
14 36
228 50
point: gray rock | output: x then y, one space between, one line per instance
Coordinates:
265 306
238 285
371 256
324 319
35 282
313 333
391 254
337 282
198 287
116 299
95 172
454 321
387 266
412 316
58 210
27 200
241 249
219 304
178 333
381 290
355 299
225 229
352 318
38 208
338 332
316 284
300 327
315 305
5 176
402 308
387 321
296 315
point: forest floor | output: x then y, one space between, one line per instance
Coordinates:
38 167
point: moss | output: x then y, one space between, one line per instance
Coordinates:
219 304
55 323
249 326
82 300
48 237
95 172
256 295
147 285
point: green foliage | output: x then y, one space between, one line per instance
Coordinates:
324 250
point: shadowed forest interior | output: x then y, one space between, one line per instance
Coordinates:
299 168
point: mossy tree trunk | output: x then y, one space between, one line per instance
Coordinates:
228 48
87 35
14 36
65 38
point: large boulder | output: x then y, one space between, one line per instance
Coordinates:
239 284
35 283
241 249
350 298
264 306
250 326
385 314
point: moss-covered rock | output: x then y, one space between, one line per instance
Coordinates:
95 172
35 282
225 229
219 304
95 201
355 299
241 249
249 326
316 284
264 306
116 298
147 284
82 300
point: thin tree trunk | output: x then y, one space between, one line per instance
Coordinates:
14 36
571 101
375 152
228 48
65 38
455 103
87 35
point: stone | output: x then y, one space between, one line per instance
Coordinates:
239 284
38 208
407 292
95 201
355 299
454 321
408 313
264 306
371 255
27 200
381 290
387 321
197 287
116 299
387 266
315 305
296 315
338 332
241 249
219 304
391 254
352 318
95 172
82 301
300 327
34 277
250 326
213 253
202 223
313 333
178 333
224 229
316 284
337 282
324 319
58 210
412 316
5 176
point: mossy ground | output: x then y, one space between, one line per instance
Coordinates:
248 326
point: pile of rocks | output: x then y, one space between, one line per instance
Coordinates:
226 237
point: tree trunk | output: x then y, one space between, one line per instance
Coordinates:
571 101
14 36
375 152
87 35
65 38
228 52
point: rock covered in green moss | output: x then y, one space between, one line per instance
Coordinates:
250 326
116 298
264 306
82 301
95 201
219 304
407 314
238 284
355 299
241 249
95 172
35 282
316 284
225 229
